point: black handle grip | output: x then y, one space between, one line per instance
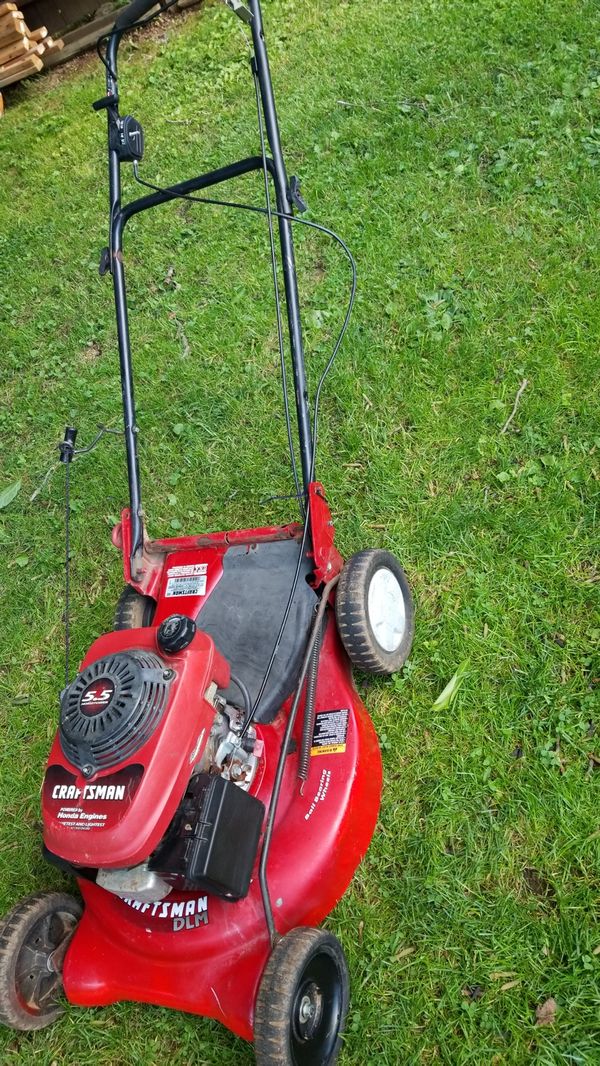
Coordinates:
132 13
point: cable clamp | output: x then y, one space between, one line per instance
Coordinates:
66 448
104 266
295 197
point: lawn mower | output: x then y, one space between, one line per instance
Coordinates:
215 778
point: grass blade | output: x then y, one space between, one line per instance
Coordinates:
9 494
448 694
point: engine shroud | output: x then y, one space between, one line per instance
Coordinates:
112 708
133 727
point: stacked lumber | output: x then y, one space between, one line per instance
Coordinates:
22 51
85 36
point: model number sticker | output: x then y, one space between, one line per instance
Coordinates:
330 732
187 580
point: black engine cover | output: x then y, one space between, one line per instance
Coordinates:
111 709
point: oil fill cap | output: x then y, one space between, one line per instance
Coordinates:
176 633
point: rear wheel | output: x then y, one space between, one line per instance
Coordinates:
374 611
133 610
33 940
302 1001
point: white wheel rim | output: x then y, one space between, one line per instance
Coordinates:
386 609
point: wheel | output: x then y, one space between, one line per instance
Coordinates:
33 941
133 611
374 611
302 1001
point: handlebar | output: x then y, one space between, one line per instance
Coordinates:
134 11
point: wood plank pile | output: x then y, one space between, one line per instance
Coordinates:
22 51
78 40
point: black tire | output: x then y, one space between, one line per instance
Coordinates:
302 1001
358 634
133 610
33 938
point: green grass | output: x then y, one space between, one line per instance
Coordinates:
456 146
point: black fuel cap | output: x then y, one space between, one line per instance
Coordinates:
175 633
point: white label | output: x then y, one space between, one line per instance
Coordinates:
187 580
189 570
186 586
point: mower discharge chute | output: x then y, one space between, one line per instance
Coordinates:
215 778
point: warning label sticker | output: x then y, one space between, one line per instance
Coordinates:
187 580
330 732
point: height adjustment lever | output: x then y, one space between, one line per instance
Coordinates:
240 9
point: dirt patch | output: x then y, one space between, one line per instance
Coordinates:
91 353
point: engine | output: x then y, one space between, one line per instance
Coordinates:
210 814
148 784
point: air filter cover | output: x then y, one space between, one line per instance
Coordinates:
112 708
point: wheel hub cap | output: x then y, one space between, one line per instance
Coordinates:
387 613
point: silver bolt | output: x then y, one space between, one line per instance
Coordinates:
307 1009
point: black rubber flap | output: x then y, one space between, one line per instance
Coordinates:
244 612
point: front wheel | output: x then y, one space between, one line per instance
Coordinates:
34 937
302 1001
374 611
133 610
